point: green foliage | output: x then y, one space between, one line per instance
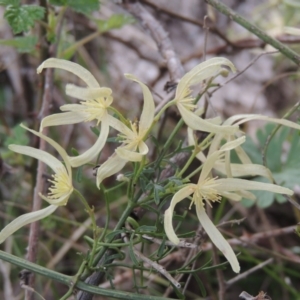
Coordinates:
81 6
24 44
286 172
19 136
9 2
22 18
114 22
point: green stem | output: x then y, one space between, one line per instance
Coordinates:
157 117
94 225
122 119
102 251
288 52
67 280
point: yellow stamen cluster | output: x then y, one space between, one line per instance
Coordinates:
206 191
61 186
95 109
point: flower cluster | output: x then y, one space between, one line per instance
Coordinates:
95 105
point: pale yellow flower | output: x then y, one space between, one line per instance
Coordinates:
246 167
209 190
96 101
61 181
133 147
185 102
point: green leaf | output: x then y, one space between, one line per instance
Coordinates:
22 18
10 2
19 137
114 22
24 44
286 172
131 252
81 6
200 284
146 229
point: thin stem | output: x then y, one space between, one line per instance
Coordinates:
94 225
288 52
68 280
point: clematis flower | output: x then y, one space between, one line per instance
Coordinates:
133 147
59 192
246 167
96 101
184 101
209 190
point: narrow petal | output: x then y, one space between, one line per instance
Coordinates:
62 119
235 184
113 165
43 156
119 126
55 145
217 238
147 115
25 219
232 196
291 30
168 224
212 158
208 165
92 152
240 119
72 67
63 200
233 144
207 69
87 93
240 170
131 155
198 123
242 155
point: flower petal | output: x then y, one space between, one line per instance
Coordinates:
147 115
111 166
197 123
240 119
41 155
207 69
168 224
131 155
87 93
56 146
92 152
236 184
240 170
217 238
72 67
63 200
63 119
25 219
119 126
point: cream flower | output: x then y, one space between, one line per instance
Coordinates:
59 192
210 190
96 101
184 101
133 147
246 167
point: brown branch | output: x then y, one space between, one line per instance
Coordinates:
160 36
41 168
198 23
248 272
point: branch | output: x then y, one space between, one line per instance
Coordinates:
222 8
160 36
